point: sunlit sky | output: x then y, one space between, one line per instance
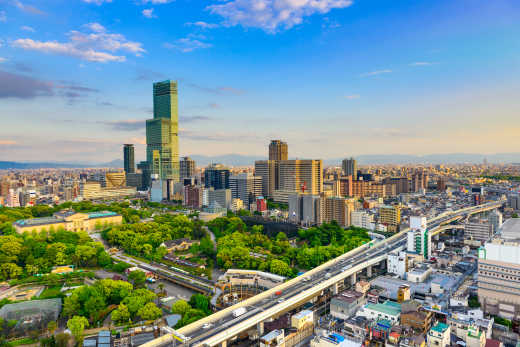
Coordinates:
331 77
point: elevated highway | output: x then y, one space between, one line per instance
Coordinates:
221 326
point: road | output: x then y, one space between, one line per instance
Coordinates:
314 280
162 269
223 325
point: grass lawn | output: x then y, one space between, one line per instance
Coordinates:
51 292
20 342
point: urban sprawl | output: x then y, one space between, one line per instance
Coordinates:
284 252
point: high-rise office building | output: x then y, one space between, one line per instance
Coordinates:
129 159
245 187
304 176
305 208
187 167
419 180
216 176
146 173
162 140
267 170
278 150
349 167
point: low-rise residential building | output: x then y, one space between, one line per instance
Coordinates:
414 316
302 318
475 337
397 263
388 310
418 340
274 338
439 335
346 304
419 274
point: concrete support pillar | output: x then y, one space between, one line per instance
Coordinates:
369 271
353 279
260 328
223 344
335 288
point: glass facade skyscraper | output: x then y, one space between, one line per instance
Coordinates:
162 138
129 161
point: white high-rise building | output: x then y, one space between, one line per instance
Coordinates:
419 240
245 187
362 219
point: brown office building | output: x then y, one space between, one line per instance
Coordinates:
362 189
278 150
338 209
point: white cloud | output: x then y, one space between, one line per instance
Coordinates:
28 8
3 60
421 63
96 27
3 16
376 72
148 13
203 25
271 15
97 2
96 46
156 2
27 28
187 44
352 96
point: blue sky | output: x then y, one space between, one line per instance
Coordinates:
331 77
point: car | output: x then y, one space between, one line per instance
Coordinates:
281 300
207 325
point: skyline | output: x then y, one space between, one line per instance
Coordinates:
410 78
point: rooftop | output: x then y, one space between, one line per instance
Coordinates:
302 314
440 327
389 307
510 230
59 217
272 335
348 296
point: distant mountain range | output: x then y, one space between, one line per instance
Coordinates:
248 160
6 165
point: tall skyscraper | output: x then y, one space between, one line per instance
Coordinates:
187 167
349 167
129 159
146 173
216 176
162 139
278 150
267 169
